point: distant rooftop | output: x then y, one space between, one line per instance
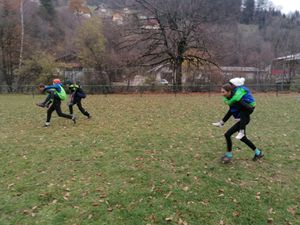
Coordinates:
289 57
239 69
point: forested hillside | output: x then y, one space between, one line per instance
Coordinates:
115 39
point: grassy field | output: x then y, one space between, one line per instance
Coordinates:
151 159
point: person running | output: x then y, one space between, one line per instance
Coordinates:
242 99
241 111
77 94
56 94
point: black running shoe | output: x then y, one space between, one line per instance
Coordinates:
40 105
46 125
257 157
226 160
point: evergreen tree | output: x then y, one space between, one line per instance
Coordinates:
47 9
248 12
221 11
262 5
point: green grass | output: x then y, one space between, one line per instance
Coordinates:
147 160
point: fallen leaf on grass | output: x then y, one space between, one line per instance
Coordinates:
182 222
236 214
292 210
271 211
205 202
288 222
26 212
270 221
83 194
186 188
103 195
152 218
257 196
222 222
234 200
197 156
66 196
169 219
168 195
10 185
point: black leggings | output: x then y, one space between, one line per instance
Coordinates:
245 117
56 106
82 110
235 128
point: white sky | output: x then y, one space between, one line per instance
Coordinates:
287 5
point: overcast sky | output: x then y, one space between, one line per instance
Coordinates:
287 5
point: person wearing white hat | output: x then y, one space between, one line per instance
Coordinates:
237 81
240 107
242 96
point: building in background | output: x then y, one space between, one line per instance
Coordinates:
286 69
70 67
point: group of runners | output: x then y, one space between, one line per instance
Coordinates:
237 96
56 94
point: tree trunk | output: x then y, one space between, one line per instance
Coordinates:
178 73
5 67
22 34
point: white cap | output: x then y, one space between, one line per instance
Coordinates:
237 81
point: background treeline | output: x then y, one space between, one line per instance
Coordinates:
35 34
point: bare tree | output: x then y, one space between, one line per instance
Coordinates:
172 32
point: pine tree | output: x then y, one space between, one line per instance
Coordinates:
248 11
47 9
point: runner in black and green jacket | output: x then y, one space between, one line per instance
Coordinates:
77 94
